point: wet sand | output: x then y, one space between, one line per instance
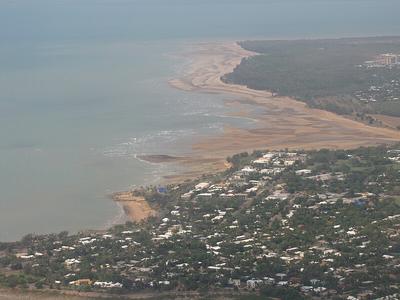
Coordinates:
281 122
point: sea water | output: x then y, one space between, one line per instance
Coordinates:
84 91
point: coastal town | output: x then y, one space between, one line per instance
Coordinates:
385 85
200 150
286 224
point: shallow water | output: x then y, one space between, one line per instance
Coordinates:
83 91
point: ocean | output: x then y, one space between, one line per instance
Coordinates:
84 91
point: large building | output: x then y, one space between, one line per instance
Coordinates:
389 59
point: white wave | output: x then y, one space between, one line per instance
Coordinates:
151 143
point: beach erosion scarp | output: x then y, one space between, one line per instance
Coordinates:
136 208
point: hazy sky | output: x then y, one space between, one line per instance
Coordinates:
155 19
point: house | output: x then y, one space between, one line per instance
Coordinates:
187 195
234 282
81 282
269 156
248 170
253 283
278 195
288 163
314 281
105 284
280 275
26 256
253 189
202 186
320 289
321 177
71 262
306 288
262 162
269 280
303 172
205 195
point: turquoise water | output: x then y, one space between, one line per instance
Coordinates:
83 90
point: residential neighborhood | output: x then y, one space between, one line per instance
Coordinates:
283 224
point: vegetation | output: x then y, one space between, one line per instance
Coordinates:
289 225
330 74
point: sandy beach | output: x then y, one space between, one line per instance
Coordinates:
281 122
136 208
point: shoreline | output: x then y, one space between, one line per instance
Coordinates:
281 122
136 208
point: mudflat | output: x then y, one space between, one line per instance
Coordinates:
280 122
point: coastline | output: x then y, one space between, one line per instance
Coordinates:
281 122
135 208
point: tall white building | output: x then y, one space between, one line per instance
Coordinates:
389 59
